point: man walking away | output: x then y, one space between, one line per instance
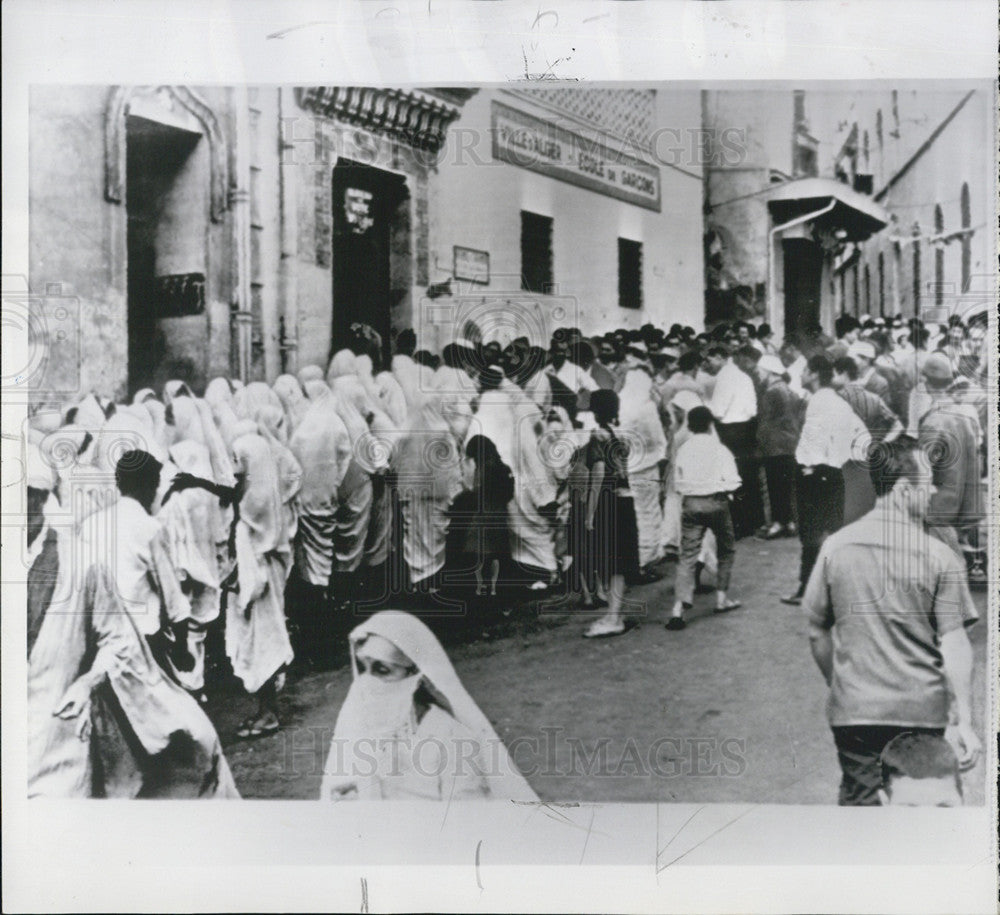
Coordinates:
888 608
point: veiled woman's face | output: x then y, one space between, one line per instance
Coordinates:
383 660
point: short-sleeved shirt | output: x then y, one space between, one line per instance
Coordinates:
607 447
872 409
888 591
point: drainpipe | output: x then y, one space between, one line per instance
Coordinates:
239 201
773 318
288 175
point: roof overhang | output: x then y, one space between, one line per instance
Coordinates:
856 214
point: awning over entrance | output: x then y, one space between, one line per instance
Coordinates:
857 215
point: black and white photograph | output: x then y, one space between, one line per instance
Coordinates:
554 446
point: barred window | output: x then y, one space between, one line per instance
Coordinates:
629 273
536 252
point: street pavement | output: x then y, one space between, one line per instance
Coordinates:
729 710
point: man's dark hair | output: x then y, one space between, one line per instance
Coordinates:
845 365
583 353
426 357
689 360
136 471
718 350
881 341
365 341
561 336
764 331
604 405
822 368
699 420
749 353
406 341
913 755
491 378
845 324
919 336
889 462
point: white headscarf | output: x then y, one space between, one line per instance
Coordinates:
260 501
457 392
436 673
392 397
248 401
292 398
174 389
410 378
494 418
427 460
372 432
344 362
195 524
640 422
219 398
322 446
309 373
89 413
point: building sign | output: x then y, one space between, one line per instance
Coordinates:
357 210
541 146
471 265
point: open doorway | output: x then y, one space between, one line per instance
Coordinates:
372 255
167 202
803 282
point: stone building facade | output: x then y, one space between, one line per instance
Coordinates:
928 155
777 219
205 231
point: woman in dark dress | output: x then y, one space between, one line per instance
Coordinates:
493 487
610 519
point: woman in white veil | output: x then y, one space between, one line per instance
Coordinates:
428 471
408 729
322 446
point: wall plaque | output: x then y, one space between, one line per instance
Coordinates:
471 265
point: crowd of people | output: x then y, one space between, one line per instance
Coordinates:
282 514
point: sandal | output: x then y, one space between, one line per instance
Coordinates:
252 728
732 605
603 630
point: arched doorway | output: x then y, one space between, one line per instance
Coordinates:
165 162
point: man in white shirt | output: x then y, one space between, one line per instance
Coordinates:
569 373
704 474
795 364
832 434
734 406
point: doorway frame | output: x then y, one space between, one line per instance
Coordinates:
410 184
